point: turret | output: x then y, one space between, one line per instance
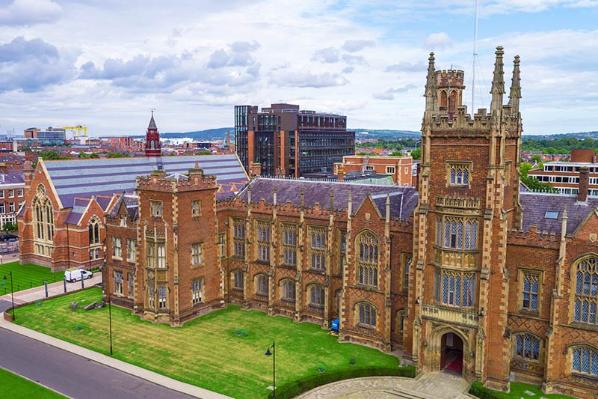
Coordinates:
152 140
515 94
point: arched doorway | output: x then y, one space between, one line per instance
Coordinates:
451 353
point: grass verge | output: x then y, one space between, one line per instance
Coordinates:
17 387
518 391
222 351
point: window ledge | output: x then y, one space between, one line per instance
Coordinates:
584 326
317 271
368 326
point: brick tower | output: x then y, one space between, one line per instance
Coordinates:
152 140
468 200
179 275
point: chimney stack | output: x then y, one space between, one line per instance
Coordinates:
584 183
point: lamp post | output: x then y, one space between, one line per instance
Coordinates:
107 285
12 296
271 351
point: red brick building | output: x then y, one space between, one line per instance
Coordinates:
469 273
399 168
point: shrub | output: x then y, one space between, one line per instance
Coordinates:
294 388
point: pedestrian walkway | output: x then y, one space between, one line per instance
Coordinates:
437 385
54 289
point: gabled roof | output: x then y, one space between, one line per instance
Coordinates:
535 206
403 200
84 178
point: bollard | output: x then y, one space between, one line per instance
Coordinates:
82 283
64 283
46 288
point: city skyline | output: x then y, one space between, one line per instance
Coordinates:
195 60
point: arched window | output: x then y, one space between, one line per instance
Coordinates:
43 221
287 290
585 360
316 296
261 284
367 314
94 231
400 320
443 99
367 270
586 291
527 346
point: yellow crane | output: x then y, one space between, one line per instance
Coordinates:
78 131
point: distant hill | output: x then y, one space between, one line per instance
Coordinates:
387 134
220 134
557 136
209 134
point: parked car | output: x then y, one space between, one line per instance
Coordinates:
77 275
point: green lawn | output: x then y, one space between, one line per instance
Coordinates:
522 391
25 276
222 351
16 387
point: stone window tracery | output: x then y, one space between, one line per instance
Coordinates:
94 231
43 221
459 174
527 346
456 232
263 242
318 248
261 284
586 291
458 288
367 271
288 290
289 245
367 314
239 238
585 360
316 296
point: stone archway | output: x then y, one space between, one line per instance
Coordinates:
450 347
451 353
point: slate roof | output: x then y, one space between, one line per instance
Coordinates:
84 178
403 200
12 178
535 206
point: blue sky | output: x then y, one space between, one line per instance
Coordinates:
106 63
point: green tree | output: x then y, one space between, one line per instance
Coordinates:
416 154
117 155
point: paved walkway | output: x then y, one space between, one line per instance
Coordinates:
37 293
436 385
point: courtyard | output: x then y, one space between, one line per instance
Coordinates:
222 351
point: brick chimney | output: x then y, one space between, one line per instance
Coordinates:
255 169
584 183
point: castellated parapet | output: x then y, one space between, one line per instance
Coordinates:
450 78
481 124
194 180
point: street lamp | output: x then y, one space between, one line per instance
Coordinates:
107 288
12 296
271 351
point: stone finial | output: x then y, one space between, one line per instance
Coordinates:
430 92
331 200
498 82
515 93
302 198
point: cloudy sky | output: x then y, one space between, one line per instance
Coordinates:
106 63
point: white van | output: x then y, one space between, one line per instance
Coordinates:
77 275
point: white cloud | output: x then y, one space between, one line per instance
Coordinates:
297 78
353 46
29 12
389 94
32 65
438 40
328 55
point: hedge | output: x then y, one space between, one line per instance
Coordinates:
478 389
295 388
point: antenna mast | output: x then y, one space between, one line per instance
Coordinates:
475 56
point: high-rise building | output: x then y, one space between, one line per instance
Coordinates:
287 141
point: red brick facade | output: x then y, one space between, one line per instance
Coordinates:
479 278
